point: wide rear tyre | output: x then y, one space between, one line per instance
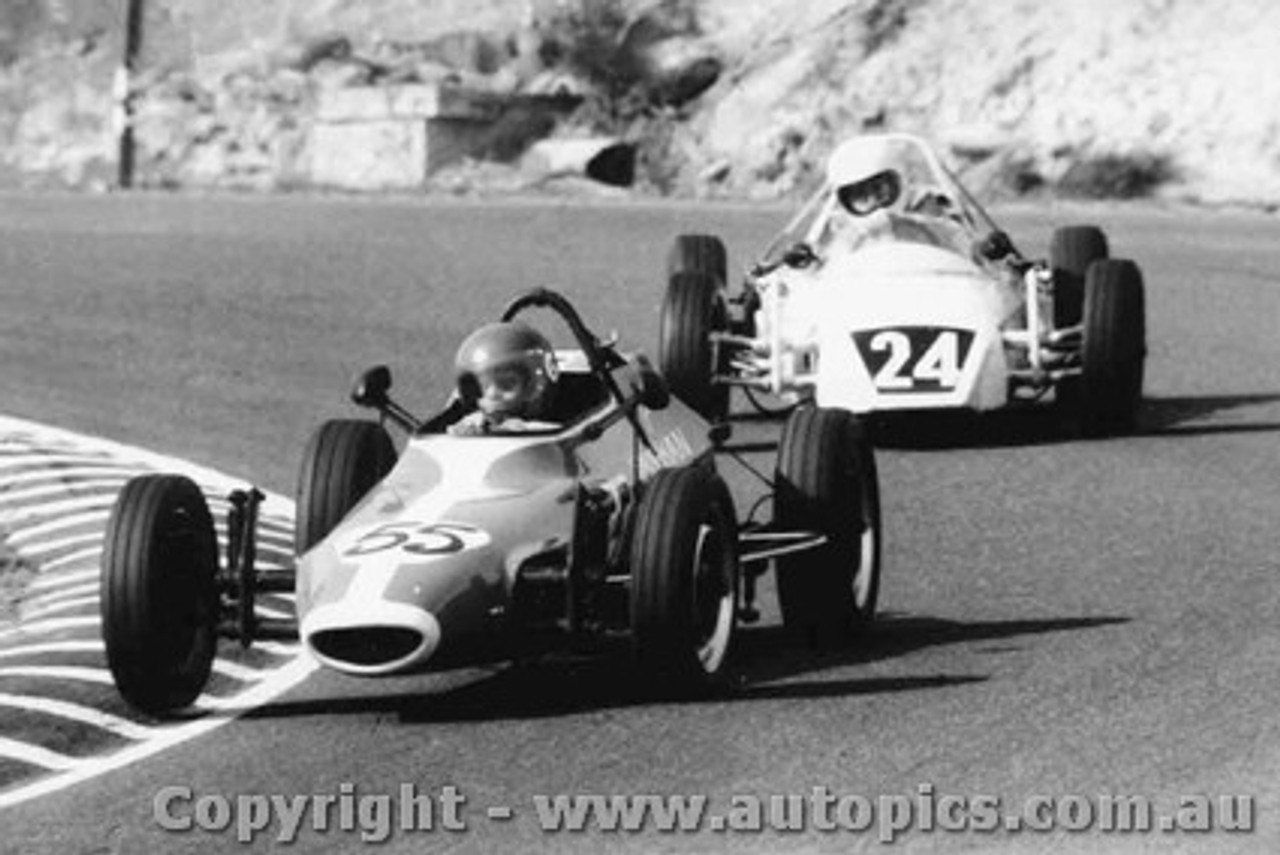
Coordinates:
159 592
1071 251
826 483
693 308
342 462
685 579
1114 348
703 254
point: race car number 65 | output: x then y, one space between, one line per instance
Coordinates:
415 538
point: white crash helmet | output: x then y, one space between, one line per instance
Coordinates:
864 176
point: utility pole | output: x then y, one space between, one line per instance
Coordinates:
122 114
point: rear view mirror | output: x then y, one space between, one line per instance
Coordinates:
654 391
372 386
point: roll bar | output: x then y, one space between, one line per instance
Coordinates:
602 359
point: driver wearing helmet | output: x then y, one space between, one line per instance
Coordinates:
508 372
871 199
865 195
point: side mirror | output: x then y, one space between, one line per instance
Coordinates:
372 386
654 391
719 433
996 246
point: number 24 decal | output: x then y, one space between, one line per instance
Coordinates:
416 538
915 359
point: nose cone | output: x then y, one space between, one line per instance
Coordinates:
373 639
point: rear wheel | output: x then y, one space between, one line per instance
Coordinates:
827 483
685 578
1071 251
343 460
704 254
693 308
159 592
1114 348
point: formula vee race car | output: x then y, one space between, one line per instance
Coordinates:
892 290
607 529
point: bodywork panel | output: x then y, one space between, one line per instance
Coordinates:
901 326
435 548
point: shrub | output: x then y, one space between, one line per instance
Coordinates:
588 39
1116 176
608 47
884 21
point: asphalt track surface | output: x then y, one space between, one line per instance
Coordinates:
1059 617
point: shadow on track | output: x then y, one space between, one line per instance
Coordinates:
951 430
1045 424
938 430
771 657
1169 416
768 670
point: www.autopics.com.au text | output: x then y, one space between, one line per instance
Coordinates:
375 817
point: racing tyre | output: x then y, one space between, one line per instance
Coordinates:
704 254
693 308
159 592
343 460
826 483
1114 348
1071 251
685 579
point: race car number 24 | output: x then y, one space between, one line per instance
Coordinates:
914 359
417 538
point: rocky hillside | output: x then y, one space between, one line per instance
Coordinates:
1180 90
1115 97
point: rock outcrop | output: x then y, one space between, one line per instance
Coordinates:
719 97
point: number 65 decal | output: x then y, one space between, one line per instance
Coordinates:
914 359
417 538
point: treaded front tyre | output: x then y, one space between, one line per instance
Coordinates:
826 483
698 253
1071 251
159 592
684 578
692 309
1114 348
342 462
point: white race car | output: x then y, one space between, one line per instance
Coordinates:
892 290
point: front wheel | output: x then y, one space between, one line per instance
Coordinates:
1109 388
1071 251
685 578
342 462
692 309
826 483
699 253
159 592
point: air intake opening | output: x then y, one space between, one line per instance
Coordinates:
367 645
